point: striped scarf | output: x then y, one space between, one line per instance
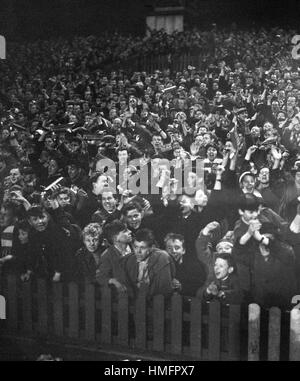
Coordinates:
7 240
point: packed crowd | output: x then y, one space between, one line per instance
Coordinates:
183 182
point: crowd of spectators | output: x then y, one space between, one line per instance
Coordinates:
78 142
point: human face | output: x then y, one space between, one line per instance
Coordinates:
39 223
157 141
248 184
101 183
91 243
15 175
199 140
49 143
52 167
6 217
222 269
175 249
186 205
141 250
264 176
201 198
206 139
124 237
211 153
275 107
249 215
74 146
63 200
72 171
134 219
224 247
109 203
229 146
23 236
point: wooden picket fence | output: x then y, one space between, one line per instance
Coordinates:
178 327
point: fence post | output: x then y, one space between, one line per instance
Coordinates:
295 335
214 331
12 313
274 334
58 309
27 306
196 328
234 332
42 300
73 310
90 311
176 324
140 319
123 319
158 323
106 315
253 332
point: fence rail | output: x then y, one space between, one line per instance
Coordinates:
178 326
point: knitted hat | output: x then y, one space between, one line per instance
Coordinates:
245 174
228 238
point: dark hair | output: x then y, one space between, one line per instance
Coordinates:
23 225
249 202
145 235
173 236
131 206
63 190
229 259
94 178
36 211
113 229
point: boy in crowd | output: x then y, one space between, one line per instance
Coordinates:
111 265
223 285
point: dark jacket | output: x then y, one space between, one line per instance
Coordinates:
87 265
159 269
46 250
111 265
230 286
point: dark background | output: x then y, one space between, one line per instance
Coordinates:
33 19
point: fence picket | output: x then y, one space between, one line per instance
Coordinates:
90 310
176 324
106 315
234 332
12 303
158 323
140 320
123 319
13 292
42 300
58 309
295 335
196 328
214 331
27 307
73 310
274 334
253 332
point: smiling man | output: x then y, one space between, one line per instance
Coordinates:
108 210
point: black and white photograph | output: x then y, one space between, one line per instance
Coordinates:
149 183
